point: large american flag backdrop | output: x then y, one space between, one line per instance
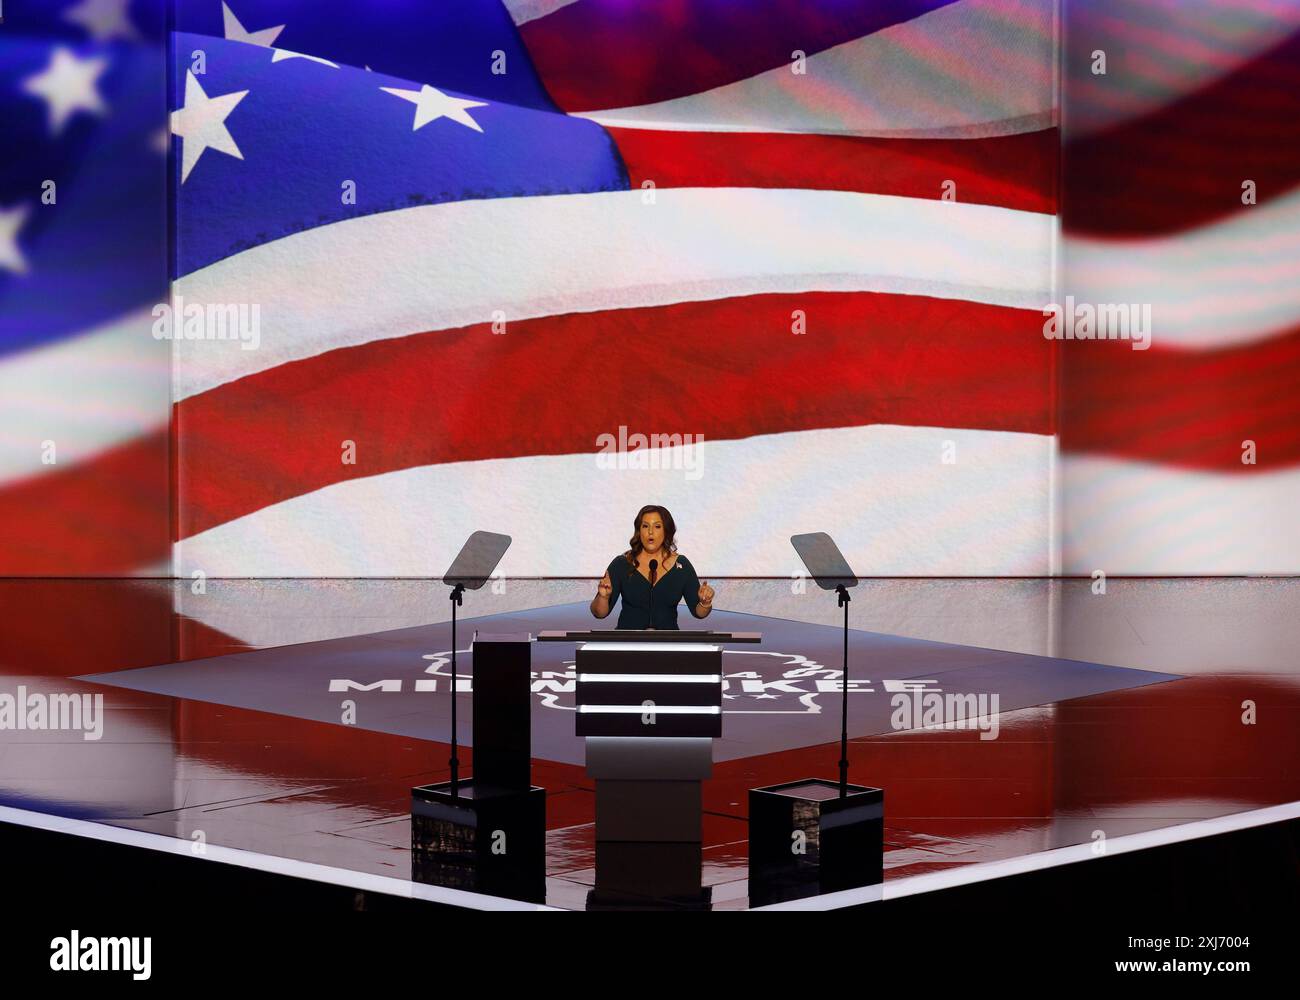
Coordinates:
480 235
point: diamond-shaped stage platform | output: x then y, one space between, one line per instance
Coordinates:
780 695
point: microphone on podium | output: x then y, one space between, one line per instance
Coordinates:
654 570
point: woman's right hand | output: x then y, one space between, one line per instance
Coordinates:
604 588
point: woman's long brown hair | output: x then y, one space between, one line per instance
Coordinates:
670 533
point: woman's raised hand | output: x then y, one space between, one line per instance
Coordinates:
604 588
706 592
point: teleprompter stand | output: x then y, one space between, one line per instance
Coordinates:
485 833
814 836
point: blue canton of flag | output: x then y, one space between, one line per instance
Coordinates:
83 220
471 47
269 143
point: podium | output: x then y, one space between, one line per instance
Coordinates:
649 705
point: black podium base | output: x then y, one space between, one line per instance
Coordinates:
600 898
804 839
488 839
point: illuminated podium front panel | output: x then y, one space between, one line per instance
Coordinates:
649 689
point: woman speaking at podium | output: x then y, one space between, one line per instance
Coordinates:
652 578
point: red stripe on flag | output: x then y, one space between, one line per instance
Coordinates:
1183 166
63 628
726 369
107 516
1184 408
1014 171
593 55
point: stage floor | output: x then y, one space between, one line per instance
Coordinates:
1126 713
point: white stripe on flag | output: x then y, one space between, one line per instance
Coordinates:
1130 517
443 266
86 394
1161 51
971 69
1232 282
883 491
523 11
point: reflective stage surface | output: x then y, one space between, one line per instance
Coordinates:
257 753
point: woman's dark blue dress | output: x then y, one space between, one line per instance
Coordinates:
652 607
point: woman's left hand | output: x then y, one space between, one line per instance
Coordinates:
706 592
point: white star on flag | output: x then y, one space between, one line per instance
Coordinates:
103 19
201 124
236 32
68 86
282 54
11 220
431 103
